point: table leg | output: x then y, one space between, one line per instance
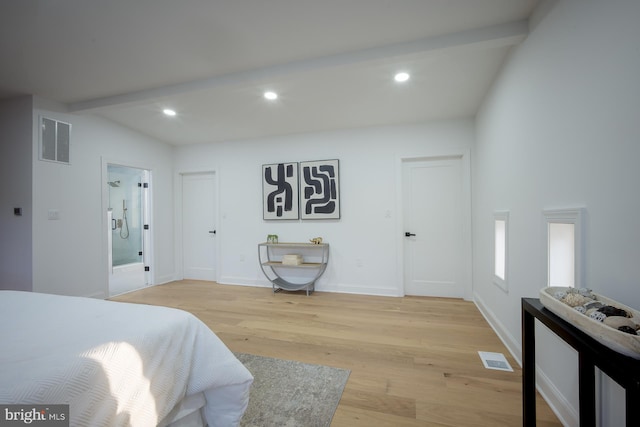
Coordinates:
528 370
587 391
632 399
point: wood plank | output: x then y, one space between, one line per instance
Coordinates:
413 360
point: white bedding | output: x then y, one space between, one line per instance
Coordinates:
116 364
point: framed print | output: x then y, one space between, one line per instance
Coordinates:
280 191
320 189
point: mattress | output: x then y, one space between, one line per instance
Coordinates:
117 364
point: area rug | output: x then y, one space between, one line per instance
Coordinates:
286 393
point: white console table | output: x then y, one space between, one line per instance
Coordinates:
315 256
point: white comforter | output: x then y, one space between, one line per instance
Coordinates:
116 364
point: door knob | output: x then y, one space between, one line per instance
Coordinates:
407 234
212 231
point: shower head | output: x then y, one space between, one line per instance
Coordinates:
114 183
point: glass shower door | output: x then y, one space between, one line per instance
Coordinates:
127 221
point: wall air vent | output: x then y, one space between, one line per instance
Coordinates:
54 140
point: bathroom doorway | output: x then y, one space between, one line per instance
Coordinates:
127 228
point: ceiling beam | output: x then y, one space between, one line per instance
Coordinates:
494 36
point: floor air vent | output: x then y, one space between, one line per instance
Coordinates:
495 361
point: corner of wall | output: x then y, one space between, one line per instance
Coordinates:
557 402
507 339
16 165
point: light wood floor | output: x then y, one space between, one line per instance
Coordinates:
413 360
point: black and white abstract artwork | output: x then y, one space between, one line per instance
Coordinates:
320 189
280 191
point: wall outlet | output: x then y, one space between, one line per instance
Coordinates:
53 214
358 262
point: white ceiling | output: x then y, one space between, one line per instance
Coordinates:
331 61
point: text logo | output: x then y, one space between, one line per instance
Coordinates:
34 415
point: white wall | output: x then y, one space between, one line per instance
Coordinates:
560 129
70 254
369 161
15 192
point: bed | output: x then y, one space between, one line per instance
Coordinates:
117 364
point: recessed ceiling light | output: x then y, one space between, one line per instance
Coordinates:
271 96
401 77
169 112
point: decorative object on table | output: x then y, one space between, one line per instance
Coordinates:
320 189
272 238
610 322
280 191
316 240
592 354
292 259
294 276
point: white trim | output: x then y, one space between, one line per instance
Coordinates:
178 235
357 290
148 257
573 216
507 339
319 287
465 163
147 238
502 283
161 280
559 405
244 281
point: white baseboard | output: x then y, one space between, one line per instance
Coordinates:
358 290
161 280
507 339
565 412
320 287
244 281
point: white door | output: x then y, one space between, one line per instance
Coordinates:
433 228
198 226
